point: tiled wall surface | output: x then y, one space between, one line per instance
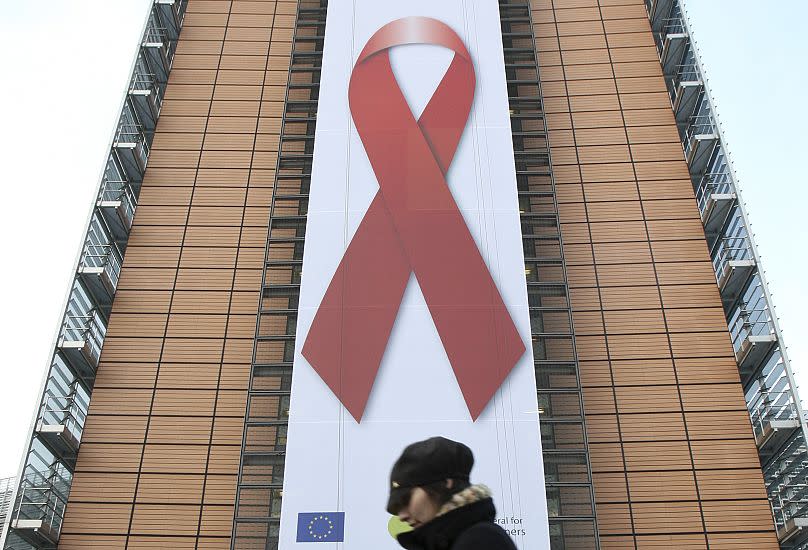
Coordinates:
673 456
160 455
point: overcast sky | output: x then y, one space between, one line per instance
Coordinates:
66 66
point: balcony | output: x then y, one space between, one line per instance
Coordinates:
116 204
773 426
157 48
133 150
80 343
789 500
145 92
753 340
171 13
794 533
38 515
753 352
785 476
716 198
687 91
99 271
674 39
59 426
734 265
701 137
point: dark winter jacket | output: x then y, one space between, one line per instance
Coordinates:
469 527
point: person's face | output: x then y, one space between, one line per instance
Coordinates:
420 509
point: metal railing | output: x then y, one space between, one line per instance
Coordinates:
673 25
687 73
713 183
63 411
785 480
105 256
697 125
701 124
749 322
766 412
84 328
177 8
129 132
730 249
147 82
155 35
791 501
143 81
119 191
43 498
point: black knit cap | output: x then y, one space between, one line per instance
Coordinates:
426 462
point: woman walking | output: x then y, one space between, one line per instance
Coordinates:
430 490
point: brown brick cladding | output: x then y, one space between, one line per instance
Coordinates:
159 458
673 456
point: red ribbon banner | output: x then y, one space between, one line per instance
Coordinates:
412 225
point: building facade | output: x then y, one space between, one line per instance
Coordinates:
164 415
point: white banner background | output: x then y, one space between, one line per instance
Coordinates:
334 463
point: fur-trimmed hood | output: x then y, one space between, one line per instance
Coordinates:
466 522
469 495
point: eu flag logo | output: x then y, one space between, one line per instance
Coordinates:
321 527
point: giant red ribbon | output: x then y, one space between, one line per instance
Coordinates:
412 225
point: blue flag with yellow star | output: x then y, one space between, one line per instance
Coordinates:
320 527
